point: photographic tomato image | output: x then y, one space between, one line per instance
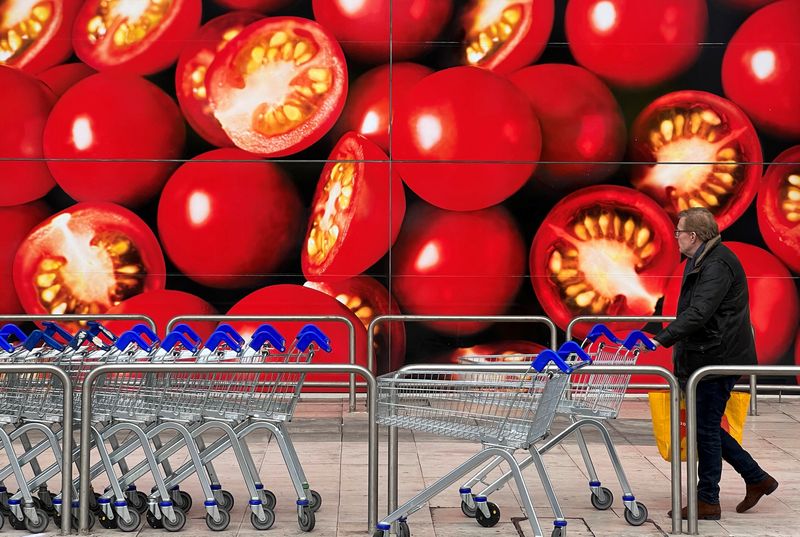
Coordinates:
17 223
774 305
363 29
504 35
142 139
450 154
499 351
635 44
778 207
436 269
747 5
347 230
368 299
762 63
262 6
193 63
602 250
86 259
140 37
716 141
581 123
162 306
278 86
367 109
26 104
62 77
231 200
797 352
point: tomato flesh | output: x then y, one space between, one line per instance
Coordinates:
34 34
17 223
779 207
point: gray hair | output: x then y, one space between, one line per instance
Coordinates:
701 221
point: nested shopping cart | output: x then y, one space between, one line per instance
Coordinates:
503 411
590 399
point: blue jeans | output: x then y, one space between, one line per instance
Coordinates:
715 444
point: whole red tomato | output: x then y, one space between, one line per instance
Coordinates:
250 224
602 250
120 117
772 291
581 124
761 68
368 298
162 306
465 150
62 77
25 104
299 300
457 263
262 6
367 109
504 35
716 140
278 86
347 231
362 27
86 259
779 207
193 63
135 37
17 222
636 44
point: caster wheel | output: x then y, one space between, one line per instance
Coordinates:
92 521
492 519
177 524
40 525
603 500
2 521
16 523
314 500
378 533
132 524
224 499
403 529
268 499
306 520
636 520
107 523
467 510
152 521
558 532
265 524
182 500
138 500
221 524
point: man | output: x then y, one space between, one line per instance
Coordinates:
713 328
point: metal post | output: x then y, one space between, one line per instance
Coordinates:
199 369
753 395
262 318
99 318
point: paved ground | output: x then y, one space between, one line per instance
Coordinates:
331 443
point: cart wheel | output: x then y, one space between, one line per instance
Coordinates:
268 499
224 499
378 533
402 529
41 525
639 520
16 523
467 510
139 501
152 521
265 524
603 500
92 520
315 500
492 519
2 521
557 532
93 504
133 524
178 524
221 524
182 500
107 523
306 520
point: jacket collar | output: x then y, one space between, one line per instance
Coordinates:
710 245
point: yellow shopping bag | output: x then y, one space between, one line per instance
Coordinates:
732 420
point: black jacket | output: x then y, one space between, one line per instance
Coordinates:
713 321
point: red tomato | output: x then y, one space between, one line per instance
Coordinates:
779 207
262 6
17 222
457 263
299 300
581 123
368 298
696 127
367 108
86 259
602 250
761 68
278 86
134 36
25 104
190 76
747 5
347 231
114 116
363 26
439 121
636 44
774 306
162 306
229 234
504 35
498 351
62 77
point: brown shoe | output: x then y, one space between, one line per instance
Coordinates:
755 491
705 511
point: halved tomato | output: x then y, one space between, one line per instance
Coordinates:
779 207
34 34
718 145
136 36
279 86
17 223
347 231
262 6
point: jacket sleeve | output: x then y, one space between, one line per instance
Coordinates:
712 285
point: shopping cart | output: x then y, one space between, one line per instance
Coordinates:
590 399
503 411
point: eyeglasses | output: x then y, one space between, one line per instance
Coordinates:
679 231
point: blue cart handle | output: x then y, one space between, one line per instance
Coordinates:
38 336
5 346
97 329
569 348
221 336
636 337
228 329
601 330
129 337
547 356
187 331
267 333
311 334
13 330
54 330
173 338
145 331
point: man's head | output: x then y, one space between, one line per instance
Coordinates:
695 226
